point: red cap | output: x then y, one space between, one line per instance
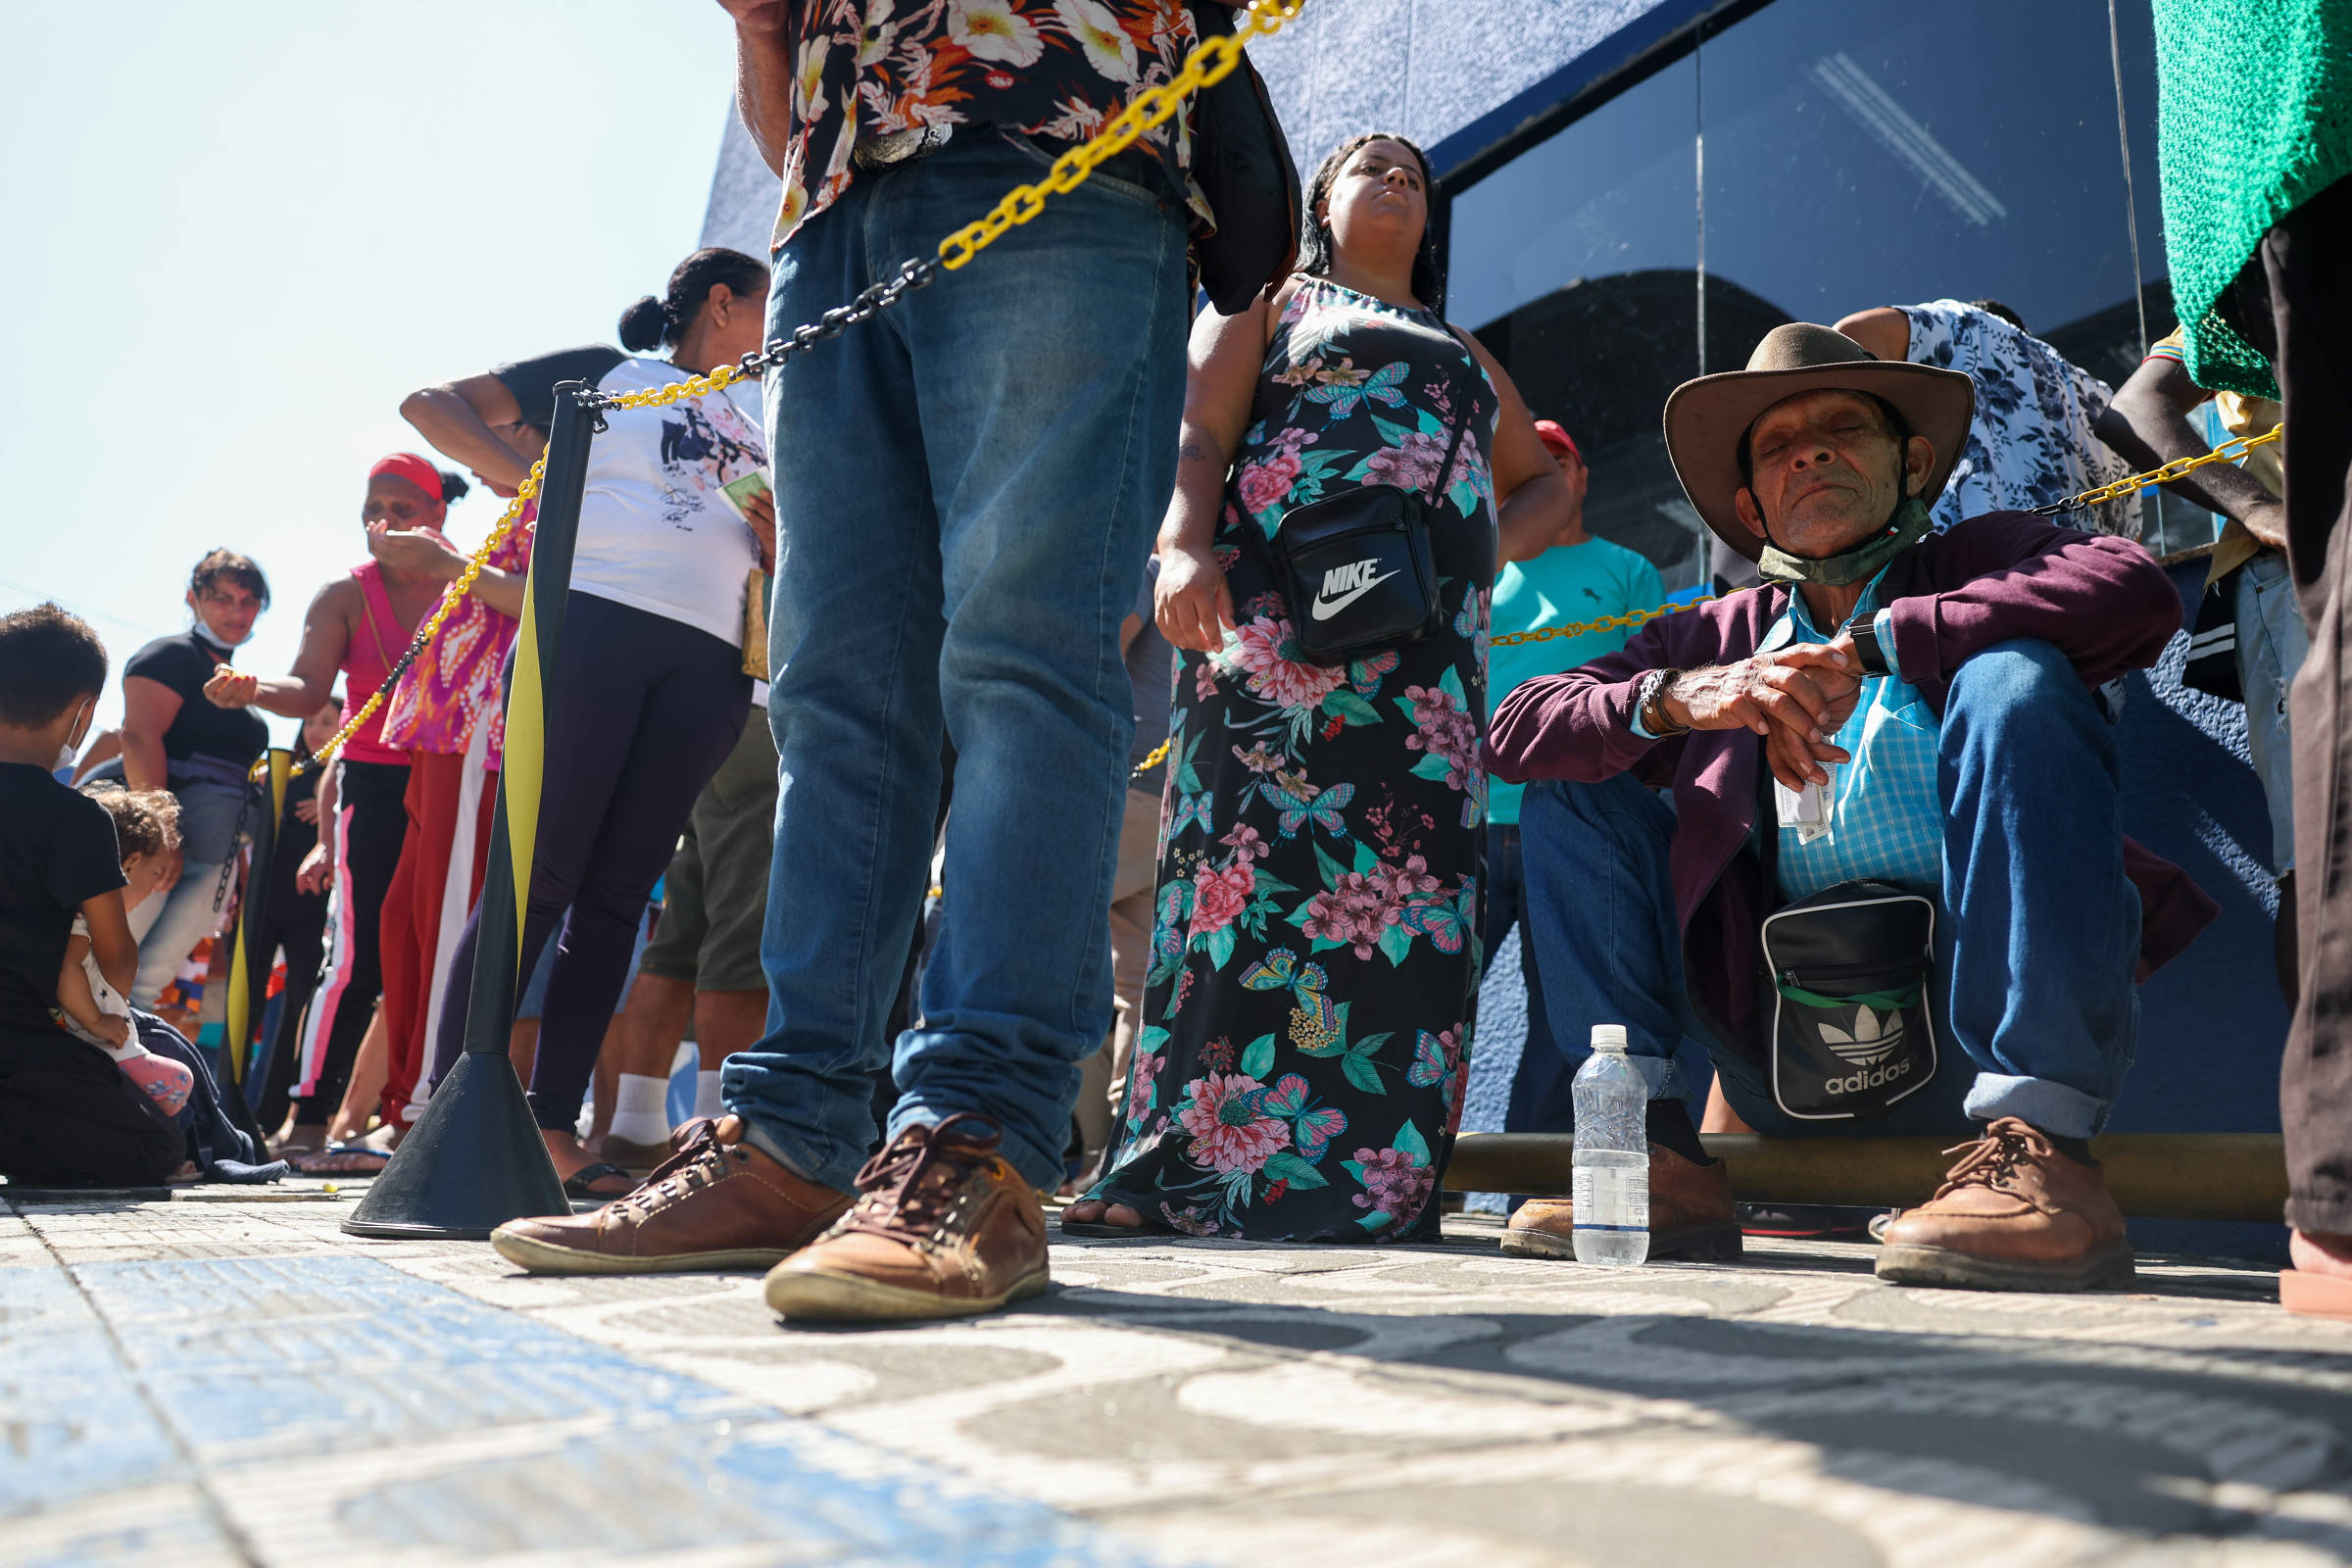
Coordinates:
413 468
1558 439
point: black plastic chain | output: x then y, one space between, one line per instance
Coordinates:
909 277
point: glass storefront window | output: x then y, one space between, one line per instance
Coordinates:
1576 265
1856 153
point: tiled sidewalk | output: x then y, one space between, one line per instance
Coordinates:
232 1379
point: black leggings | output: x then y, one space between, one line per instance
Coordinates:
296 922
641 712
372 820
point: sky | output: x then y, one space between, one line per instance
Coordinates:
237 235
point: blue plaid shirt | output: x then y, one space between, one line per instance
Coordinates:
1886 818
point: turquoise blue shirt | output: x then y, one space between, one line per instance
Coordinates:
1564 586
1885 816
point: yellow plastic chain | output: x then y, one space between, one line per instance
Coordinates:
426 630
2227 452
1632 617
1209 64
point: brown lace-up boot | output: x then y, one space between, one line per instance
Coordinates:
943 1227
1689 1215
715 1203
2013 1214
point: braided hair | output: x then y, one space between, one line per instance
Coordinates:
652 324
1315 244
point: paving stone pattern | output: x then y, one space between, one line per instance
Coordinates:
234 1381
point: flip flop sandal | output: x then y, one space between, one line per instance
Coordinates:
583 1182
2308 1295
339 1160
1104 1231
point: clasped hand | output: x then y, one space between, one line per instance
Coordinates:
1797 698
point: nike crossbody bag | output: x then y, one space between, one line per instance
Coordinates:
1357 568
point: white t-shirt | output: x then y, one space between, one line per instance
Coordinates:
110 1001
656 531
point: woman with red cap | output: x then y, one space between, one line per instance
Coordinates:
357 626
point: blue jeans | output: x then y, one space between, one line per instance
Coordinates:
966 490
2270 644
2038 930
169 925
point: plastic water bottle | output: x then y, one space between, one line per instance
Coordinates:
1612 1154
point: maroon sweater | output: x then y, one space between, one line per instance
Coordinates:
2102 601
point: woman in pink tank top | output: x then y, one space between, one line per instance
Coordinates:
357 626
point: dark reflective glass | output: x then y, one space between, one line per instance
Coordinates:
1576 264
1856 154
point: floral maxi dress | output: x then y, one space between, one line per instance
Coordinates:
1306 1024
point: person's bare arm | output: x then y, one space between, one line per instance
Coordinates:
461 420
2147 425
104 748
764 75
148 709
1193 602
78 1001
1531 496
111 941
428 557
317 867
1884 330
305 689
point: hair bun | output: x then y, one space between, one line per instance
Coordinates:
643 323
452 487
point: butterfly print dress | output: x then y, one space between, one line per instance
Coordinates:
1305 1035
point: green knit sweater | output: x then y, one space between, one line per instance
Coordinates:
2254 118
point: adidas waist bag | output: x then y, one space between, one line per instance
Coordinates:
1852 971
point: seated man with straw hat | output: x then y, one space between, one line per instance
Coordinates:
1858 831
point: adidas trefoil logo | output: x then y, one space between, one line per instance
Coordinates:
1875 1037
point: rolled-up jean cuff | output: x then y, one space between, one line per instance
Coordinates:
1663 1074
802 1159
2052 1107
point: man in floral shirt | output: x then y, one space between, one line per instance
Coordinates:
966 491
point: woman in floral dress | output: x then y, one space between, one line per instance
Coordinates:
1307 1025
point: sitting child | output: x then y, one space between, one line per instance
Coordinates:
146 832
66 1117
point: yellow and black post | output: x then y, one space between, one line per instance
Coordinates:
474 1160
249 968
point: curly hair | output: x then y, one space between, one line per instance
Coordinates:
1315 244
146 822
240 570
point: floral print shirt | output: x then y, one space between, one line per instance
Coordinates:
1055 69
2032 441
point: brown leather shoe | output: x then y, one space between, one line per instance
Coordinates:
2013 1214
943 1228
715 1203
1689 1215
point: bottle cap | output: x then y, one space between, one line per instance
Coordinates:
1608 1037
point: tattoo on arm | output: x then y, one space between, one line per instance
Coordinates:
1193 451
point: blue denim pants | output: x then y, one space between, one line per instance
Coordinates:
966 491
2038 929
2272 643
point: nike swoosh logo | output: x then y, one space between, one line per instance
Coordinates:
1324 608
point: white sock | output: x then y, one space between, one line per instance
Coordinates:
705 1095
639 1111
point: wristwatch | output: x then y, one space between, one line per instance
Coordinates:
1864 631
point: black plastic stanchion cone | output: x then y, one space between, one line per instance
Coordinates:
474 1159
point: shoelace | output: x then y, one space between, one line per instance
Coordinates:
908 1189
696 1164
1993 1157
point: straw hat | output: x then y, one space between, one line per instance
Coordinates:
1706 418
